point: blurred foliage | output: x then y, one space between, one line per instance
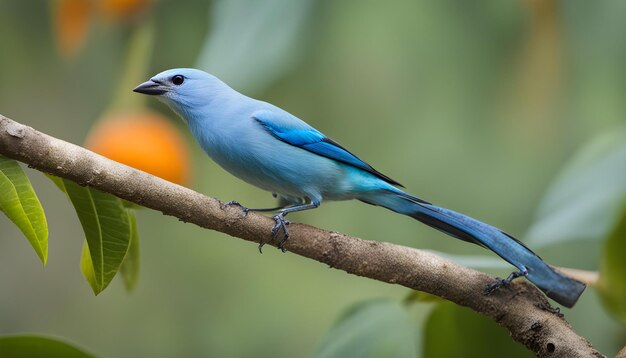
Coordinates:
613 270
380 328
586 199
36 346
454 331
474 106
244 49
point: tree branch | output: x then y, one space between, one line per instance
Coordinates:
520 307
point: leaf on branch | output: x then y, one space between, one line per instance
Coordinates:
130 266
421 297
108 231
380 328
20 203
35 346
612 284
583 202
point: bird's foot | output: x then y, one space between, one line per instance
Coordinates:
493 286
236 203
281 224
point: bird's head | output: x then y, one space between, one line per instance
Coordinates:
183 89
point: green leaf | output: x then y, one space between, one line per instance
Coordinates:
86 266
107 229
20 203
381 328
455 331
35 346
57 181
251 43
130 265
421 297
612 283
584 200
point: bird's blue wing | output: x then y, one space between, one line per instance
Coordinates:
294 131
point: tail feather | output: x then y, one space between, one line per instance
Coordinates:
560 288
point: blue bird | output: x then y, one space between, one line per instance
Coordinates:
276 151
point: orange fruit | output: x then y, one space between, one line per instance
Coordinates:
144 140
71 23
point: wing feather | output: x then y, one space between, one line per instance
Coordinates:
294 131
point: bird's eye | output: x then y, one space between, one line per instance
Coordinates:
178 80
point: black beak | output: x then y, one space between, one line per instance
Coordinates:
151 88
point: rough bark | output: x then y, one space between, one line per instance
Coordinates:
521 308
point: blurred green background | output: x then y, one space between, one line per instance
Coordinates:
474 106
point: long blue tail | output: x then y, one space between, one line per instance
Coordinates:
560 288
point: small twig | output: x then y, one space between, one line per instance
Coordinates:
519 307
589 278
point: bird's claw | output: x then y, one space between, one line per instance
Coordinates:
499 282
281 244
496 284
236 203
281 223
